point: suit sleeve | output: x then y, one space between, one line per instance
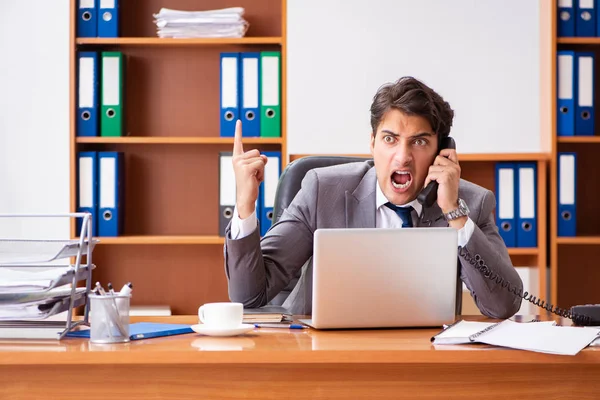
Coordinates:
492 299
257 270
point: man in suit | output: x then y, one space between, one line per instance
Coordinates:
408 121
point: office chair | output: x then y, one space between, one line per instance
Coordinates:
288 186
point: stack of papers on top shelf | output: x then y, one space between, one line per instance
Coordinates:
222 23
543 337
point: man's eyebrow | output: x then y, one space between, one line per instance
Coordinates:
415 136
422 134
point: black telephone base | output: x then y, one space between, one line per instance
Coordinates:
589 310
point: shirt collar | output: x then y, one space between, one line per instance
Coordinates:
380 200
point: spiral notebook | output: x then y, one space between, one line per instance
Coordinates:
543 337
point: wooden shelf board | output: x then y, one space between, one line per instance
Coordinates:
578 40
142 239
523 251
156 41
162 240
578 240
504 157
175 140
464 157
579 139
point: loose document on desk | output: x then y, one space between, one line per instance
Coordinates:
543 337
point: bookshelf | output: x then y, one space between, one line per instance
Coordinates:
469 157
176 140
170 248
573 260
577 40
164 239
156 41
582 139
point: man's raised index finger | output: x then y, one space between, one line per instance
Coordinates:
238 147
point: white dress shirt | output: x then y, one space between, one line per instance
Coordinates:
385 218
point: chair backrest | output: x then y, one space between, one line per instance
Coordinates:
290 180
289 184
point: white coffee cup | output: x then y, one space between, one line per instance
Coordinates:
221 315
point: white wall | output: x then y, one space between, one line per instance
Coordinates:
482 56
34 115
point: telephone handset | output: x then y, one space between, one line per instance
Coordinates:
428 196
584 315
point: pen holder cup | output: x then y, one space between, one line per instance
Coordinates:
109 318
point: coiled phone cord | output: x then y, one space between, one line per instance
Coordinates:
479 264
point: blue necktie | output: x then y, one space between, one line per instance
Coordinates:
404 213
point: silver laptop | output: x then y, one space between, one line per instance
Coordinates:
379 278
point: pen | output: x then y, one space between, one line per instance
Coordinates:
284 326
100 289
105 320
121 305
117 311
126 290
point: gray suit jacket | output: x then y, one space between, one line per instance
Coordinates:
343 196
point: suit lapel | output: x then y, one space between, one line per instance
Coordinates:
360 204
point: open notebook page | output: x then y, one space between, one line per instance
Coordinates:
539 337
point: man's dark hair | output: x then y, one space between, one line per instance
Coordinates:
412 97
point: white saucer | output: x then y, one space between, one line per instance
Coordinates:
205 330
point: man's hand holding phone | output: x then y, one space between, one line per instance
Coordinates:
446 172
249 168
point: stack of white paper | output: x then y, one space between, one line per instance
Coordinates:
223 23
36 292
543 337
13 252
37 305
27 279
16 281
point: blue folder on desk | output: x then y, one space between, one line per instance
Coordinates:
144 330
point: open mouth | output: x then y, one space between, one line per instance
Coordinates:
401 179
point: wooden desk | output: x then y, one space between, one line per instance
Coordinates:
289 364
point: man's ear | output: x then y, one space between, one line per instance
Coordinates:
372 144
